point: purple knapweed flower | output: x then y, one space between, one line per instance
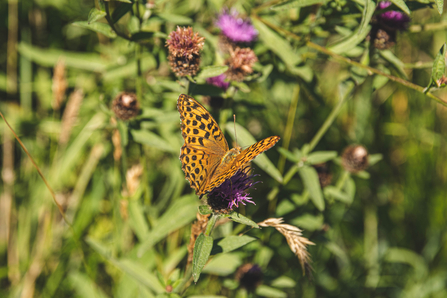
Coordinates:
233 191
219 81
395 20
236 28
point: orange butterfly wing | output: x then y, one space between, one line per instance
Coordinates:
203 155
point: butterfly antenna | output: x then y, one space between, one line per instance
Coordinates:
234 122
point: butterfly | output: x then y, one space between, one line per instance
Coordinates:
206 159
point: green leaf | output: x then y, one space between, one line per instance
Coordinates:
402 255
394 61
84 286
349 188
142 35
359 35
122 128
309 222
212 71
202 251
267 291
295 3
179 214
245 139
230 243
374 158
363 174
332 191
440 6
176 19
49 57
234 216
205 209
401 4
137 220
149 138
312 184
95 14
289 155
277 44
318 157
120 10
223 264
134 269
102 28
266 70
438 69
283 282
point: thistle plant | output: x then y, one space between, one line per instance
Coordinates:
89 125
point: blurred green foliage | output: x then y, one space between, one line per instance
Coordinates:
319 85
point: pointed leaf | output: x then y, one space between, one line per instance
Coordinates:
318 157
360 34
312 184
245 139
181 213
332 191
102 28
95 14
289 155
202 251
149 138
438 69
440 6
234 216
401 4
212 71
295 3
277 44
230 243
120 10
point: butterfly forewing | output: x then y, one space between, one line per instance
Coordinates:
198 126
244 157
205 144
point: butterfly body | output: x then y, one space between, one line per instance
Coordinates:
206 158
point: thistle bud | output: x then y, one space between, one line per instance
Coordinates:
240 63
125 106
355 158
184 48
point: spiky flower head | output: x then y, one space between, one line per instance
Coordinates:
125 105
355 158
232 192
249 276
240 63
219 81
184 48
235 28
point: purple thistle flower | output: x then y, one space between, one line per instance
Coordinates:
219 81
233 191
236 28
395 20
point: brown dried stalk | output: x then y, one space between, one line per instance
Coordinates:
70 115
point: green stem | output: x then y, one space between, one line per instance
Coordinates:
211 223
139 80
328 122
289 127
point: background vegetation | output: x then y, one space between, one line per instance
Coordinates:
318 84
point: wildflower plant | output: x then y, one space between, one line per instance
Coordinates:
89 126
